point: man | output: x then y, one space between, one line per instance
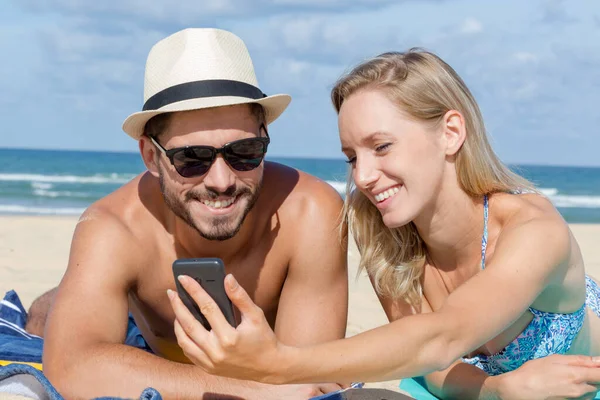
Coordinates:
275 228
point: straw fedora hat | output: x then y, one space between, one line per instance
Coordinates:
200 68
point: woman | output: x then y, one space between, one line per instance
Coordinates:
478 273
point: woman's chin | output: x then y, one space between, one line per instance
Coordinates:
393 220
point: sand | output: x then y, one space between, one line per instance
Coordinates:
34 252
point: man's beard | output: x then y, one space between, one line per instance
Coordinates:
223 227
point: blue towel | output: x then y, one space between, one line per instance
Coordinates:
18 345
15 343
415 388
18 377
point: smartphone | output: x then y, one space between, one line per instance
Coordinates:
210 274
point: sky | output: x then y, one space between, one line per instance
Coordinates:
72 70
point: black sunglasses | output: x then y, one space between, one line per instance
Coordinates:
241 155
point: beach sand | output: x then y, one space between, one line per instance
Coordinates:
34 252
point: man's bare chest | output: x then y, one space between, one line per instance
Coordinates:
261 276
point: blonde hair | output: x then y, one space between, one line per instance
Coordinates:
426 88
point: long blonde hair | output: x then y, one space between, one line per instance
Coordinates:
425 87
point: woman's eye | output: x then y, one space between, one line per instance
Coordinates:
383 147
351 160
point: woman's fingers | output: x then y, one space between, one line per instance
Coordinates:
190 348
235 352
240 298
188 322
592 376
588 392
577 360
207 305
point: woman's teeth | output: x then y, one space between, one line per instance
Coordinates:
386 195
218 203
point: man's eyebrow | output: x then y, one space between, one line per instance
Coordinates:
371 137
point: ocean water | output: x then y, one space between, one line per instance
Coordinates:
52 182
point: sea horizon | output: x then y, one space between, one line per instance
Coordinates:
65 182
274 157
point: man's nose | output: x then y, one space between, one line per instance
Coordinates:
219 177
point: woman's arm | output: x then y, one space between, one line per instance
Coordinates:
527 259
460 380
570 375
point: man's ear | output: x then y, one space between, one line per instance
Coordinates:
454 130
149 155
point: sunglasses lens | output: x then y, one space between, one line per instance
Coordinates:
193 161
246 155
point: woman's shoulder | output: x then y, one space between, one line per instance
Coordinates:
533 226
532 220
515 209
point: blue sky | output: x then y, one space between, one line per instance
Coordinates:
72 70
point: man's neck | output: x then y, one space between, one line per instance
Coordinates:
196 246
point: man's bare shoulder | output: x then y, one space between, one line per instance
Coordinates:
300 194
129 215
132 206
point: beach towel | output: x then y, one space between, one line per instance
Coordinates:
16 344
363 394
27 381
415 387
21 355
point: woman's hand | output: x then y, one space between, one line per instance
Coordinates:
552 377
250 352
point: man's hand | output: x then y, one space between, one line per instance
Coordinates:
552 377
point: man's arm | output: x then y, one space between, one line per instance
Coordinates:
38 312
84 354
314 301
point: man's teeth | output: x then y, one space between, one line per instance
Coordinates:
218 203
387 194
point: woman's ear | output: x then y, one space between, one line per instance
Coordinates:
455 133
149 155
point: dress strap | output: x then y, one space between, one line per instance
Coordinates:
484 238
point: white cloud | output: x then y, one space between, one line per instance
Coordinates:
300 77
301 33
527 91
340 5
525 57
470 26
165 11
322 3
528 76
194 11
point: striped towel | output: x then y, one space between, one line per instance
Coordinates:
21 355
15 343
